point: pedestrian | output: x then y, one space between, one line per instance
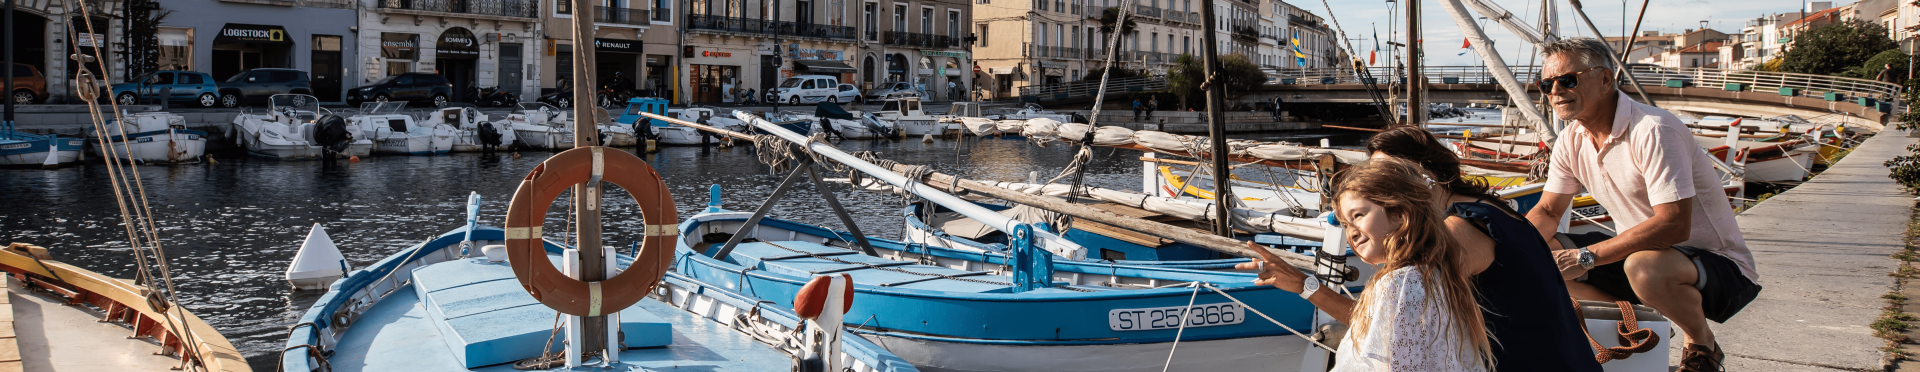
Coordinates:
953 90
1152 104
1679 249
1136 109
1418 312
1887 75
1276 108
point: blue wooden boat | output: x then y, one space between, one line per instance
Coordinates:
443 306
21 149
1104 243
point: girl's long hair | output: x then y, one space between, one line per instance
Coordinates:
1420 241
1420 146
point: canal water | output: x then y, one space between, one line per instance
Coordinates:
230 229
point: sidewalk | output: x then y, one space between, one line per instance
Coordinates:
1823 251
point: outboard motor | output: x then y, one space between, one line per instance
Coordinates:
489 136
1075 117
330 132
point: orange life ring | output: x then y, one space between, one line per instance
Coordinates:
529 208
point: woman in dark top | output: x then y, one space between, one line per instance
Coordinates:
1525 304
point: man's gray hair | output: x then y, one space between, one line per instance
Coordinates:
1589 51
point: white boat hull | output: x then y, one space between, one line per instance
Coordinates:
38 158
682 136
1794 167
172 146
918 128
277 149
1287 352
544 140
413 145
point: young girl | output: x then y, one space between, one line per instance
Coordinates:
1418 312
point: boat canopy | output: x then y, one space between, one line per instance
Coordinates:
830 110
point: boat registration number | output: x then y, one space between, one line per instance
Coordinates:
1199 315
1591 211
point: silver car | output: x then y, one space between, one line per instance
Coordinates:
893 90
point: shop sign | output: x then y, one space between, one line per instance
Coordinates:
457 43
616 45
89 42
716 54
943 53
398 45
245 33
830 55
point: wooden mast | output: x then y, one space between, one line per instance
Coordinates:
1216 118
586 196
1416 109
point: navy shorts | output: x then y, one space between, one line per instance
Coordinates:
1723 289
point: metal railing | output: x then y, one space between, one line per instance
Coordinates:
756 26
1095 11
504 8
1089 88
1146 11
1177 16
1056 52
916 39
666 16
603 14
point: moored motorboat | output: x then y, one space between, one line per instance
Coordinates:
475 132
153 137
909 117
289 128
540 126
396 133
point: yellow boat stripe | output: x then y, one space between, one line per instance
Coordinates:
523 232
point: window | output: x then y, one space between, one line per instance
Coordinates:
1042 4
983 35
900 18
404 80
1059 5
176 48
1153 42
663 10
1042 40
953 23
284 76
162 78
192 79
926 20
1059 32
1076 37
563 6
872 21
808 84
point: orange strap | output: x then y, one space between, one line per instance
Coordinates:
1633 339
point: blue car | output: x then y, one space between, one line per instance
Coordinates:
188 87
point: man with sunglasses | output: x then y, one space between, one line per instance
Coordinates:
1678 249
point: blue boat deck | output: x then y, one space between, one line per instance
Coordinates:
401 333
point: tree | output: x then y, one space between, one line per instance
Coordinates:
142 23
1871 69
1835 48
1185 77
1107 18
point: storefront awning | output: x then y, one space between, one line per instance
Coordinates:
457 43
245 33
814 66
1009 70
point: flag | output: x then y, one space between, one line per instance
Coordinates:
1467 45
1296 39
1370 56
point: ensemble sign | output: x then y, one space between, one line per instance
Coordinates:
457 43
716 54
245 33
820 54
617 46
399 46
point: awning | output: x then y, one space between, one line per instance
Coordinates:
814 66
457 43
1009 70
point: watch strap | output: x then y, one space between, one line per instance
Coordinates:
1309 287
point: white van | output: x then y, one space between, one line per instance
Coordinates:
805 89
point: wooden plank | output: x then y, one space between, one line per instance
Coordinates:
14 366
1125 210
9 349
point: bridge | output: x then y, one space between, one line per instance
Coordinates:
1697 91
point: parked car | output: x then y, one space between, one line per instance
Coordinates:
849 93
1650 74
893 90
29 85
807 89
183 86
410 87
257 85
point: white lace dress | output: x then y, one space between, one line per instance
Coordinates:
1407 333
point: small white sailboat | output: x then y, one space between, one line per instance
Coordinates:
153 137
318 263
683 136
285 131
399 134
907 115
540 126
475 132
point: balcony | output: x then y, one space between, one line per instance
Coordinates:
765 27
1176 16
1057 52
499 8
1146 11
1095 11
623 16
915 39
1246 33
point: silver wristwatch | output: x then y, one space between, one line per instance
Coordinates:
1308 287
1587 259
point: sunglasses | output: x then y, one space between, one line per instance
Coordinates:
1569 80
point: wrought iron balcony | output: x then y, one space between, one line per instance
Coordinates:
1249 33
915 39
603 14
1095 11
1146 11
1058 52
503 8
1176 16
757 26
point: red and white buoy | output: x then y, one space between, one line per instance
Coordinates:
822 303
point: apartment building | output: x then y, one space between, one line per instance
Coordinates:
41 39
1316 40
1038 42
1237 27
633 39
1273 44
729 47
922 42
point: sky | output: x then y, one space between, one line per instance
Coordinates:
1360 19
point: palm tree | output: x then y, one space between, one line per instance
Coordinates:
1107 18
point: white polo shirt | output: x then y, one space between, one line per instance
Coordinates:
1650 158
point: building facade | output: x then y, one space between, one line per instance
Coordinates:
473 43
923 42
1317 41
45 32
634 41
